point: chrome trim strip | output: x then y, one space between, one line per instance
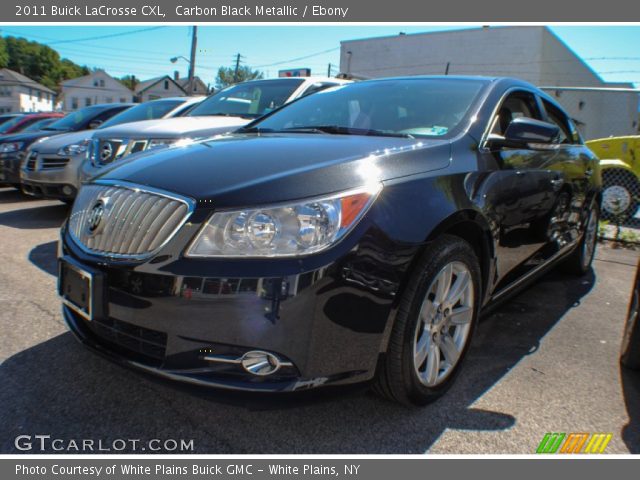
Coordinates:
527 276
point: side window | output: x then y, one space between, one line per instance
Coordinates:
107 114
559 119
516 105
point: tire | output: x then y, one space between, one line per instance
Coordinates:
402 376
620 195
630 353
580 260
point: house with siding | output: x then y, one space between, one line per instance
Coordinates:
95 88
19 93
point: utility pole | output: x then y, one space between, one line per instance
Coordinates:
446 70
235 73
192 61
329 70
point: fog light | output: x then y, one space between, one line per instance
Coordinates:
260 363
67 190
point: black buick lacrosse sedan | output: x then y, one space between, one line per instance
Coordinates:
353 235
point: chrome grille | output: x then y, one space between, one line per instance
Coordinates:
106 151
133 224
52 163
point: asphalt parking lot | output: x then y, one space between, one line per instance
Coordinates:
546 361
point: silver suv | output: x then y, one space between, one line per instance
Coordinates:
50 167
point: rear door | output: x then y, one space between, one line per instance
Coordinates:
574 167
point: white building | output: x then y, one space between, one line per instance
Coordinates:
21 94
95 88
533 54
198 87
159 87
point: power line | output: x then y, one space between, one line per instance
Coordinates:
101 37
297 59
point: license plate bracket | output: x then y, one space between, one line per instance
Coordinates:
81 288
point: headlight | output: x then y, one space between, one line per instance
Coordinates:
74 149
158 143
11 147
284 230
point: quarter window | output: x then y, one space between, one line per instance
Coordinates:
555 116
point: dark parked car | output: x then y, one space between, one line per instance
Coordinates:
630 355
20 122
352 235
12 147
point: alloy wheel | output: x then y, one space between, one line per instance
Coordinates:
444 324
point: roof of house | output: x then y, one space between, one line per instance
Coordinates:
9 77
145 85
77 81
185 81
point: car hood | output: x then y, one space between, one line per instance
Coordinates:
239 170
178 127
29 137
55 143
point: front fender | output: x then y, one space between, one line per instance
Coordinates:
609 163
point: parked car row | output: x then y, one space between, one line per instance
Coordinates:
352 235
52 162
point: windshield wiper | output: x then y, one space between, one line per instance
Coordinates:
224 114
341 130
255 130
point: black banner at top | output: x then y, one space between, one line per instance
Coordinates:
200 11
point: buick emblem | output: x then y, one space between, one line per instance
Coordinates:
106 151
94 222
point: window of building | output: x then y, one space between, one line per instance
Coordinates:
87 102
39 95
101 82
74 103
108 100
166 84
123 100
95 83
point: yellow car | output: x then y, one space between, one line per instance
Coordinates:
620 165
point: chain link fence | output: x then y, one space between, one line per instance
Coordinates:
620 201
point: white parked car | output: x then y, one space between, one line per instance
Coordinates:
222 112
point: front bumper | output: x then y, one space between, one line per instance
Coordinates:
10 168
50 176
327 324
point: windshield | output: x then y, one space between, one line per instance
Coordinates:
76 120
403 107
40 124
251 99
144 111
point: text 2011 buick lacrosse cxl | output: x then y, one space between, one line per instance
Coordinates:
354 234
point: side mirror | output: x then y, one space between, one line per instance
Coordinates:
523 131
95 124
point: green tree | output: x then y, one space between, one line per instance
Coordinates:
227 75
4 55
129 81
38 62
